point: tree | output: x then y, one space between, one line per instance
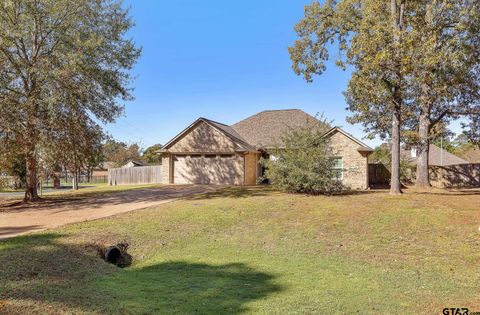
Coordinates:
370 38
151 155
76 147
383 155
58 56
472 130
304 164
119 152
445 68
441 136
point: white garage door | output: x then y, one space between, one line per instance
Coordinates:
205 169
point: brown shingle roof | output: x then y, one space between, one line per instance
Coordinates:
436 157
472 155
265 129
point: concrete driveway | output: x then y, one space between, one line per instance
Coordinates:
55 212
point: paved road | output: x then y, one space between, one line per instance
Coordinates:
17 220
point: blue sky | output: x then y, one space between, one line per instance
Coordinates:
223 60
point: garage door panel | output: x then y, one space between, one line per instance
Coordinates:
223 170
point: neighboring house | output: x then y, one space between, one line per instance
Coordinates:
102 169
472 155
209 152
134 163
436 156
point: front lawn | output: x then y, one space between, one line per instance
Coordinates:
258 251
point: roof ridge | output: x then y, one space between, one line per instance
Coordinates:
270 110
279 110
217 122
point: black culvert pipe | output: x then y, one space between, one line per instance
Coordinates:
113 254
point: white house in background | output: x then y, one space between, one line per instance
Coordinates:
134 163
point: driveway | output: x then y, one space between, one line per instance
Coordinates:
54 212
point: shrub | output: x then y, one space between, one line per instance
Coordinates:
304 163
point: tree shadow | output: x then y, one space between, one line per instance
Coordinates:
47 271
72 203
449 192
9 230
233 192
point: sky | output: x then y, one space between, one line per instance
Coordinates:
223 60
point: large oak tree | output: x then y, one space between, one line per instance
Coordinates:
369 35
58 58
415 65
445 57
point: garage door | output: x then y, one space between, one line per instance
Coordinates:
206 169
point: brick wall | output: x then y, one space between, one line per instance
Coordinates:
355 165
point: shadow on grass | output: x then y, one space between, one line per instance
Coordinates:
451 192
101 199
47 271
234 192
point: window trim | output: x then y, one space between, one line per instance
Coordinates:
338 168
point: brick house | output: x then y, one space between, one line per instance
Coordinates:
209 152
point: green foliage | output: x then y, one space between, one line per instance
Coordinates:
365 38
370 39
150 155
65 64
441 136
304 163
443 80
13 165
414 64
119 152
472 130
382 154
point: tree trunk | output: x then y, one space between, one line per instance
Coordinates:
395 185
75 180
397 12
31 193
423 178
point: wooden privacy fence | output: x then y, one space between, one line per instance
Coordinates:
460 175
378 175
135 175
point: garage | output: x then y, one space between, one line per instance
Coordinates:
219 169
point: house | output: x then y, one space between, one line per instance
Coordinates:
436 156
134 163
472 155
102 169
209 152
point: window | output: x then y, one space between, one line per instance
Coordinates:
195 156
226 156
413 152
338 168
210 156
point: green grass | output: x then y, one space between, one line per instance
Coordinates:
258 251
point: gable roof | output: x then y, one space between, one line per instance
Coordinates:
224 129
362 146
265 129
472 155
436 156
136 163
